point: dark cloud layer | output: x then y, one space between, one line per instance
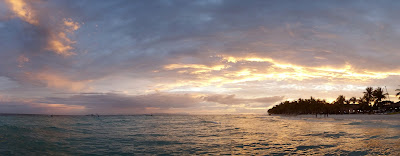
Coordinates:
114 103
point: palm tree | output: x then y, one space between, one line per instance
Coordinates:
361 100
398 93
339 103
340 100
363 104
368 95
353 100
378 96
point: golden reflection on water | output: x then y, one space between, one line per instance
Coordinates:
316 136
202 135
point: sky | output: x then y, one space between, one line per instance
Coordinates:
192 57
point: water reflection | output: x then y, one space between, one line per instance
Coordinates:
187 135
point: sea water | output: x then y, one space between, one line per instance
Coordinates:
200 135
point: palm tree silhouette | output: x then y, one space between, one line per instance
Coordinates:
368 95
363 104
398 93
378 96
353 100
318 106
339 103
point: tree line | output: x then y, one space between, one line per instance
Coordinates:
370 101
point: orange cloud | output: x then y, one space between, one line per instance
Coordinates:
71 25
237 70
23 11
193 68
58 82
60 44
59 108
59 41
22 59
34 106
298 72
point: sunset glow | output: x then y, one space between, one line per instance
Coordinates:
208 57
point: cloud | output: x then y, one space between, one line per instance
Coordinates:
59 41
57 31
23 11
195 68
232 100
71 25
6 83
55 81
210 49
233 70
32 31
31 106
113 103
117 103
22 59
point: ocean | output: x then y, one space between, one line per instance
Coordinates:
200 135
